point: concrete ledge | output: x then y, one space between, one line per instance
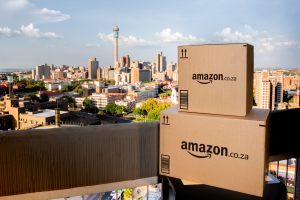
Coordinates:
42 160
79 191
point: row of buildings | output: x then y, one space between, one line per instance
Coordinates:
126 71
127 95
51 72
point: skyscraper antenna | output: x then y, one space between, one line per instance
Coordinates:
115 21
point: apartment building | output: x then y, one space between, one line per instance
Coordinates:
56 86
275 88
16 106
142 94
159 76
100 100
43 71
128 103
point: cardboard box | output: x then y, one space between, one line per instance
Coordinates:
229 152
216 79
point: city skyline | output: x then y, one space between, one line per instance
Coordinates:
35 32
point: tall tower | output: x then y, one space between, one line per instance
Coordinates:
116 35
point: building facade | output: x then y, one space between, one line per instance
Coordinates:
93 67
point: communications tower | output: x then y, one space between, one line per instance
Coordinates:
116 35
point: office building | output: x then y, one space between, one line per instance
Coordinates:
158 62
93 67
139 75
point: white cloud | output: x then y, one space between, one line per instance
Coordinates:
278 42
22 11
130 41
30 31
167 36
226 35
7 33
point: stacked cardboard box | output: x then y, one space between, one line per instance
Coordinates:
214 136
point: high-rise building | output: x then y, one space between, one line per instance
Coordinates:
157 63
268 88
43 71
33 73
278 85
123 60
127 60
116 35
163 62
93 66
170 68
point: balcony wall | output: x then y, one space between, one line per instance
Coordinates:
54 159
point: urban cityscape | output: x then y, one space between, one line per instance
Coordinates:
62 96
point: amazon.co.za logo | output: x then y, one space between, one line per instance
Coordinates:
207 150
207 78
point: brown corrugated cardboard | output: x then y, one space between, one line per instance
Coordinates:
229 152
216 79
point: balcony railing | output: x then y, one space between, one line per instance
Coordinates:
63 162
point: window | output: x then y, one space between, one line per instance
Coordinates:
284 170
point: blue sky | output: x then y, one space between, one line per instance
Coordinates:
69 32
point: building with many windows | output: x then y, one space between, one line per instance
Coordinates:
142 94
268 88
93 67
100 100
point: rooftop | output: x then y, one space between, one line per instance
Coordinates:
45 113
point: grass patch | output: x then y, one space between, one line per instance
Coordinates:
143 120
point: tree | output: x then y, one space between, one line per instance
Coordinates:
70 100
150 105
127 194
87 103
111 108
44 97
169 93
101 115
72 105
146 82
133 110
112 81
138 112
121 109
33 97
23 81
93 109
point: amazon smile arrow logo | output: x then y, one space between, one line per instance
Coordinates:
208 155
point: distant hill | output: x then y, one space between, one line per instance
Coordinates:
295 71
